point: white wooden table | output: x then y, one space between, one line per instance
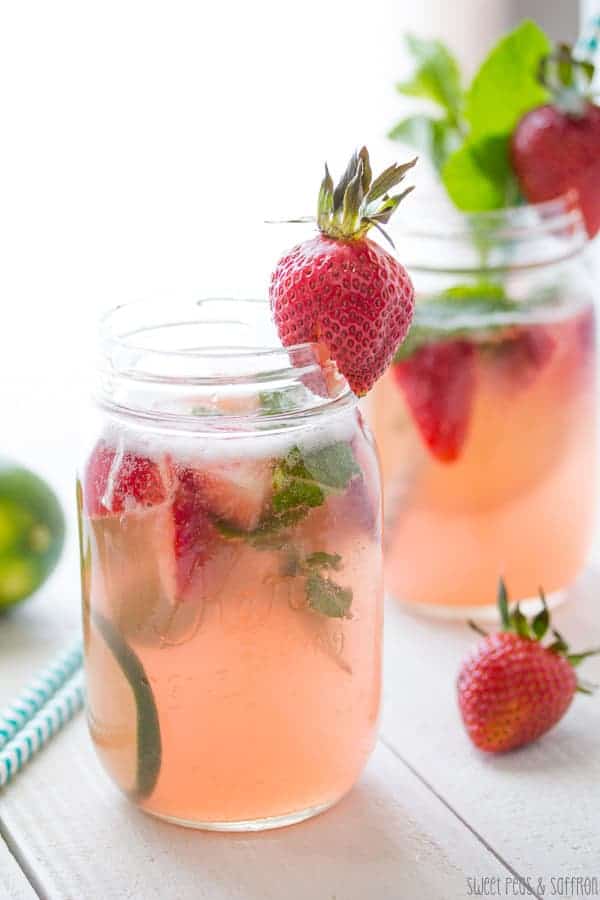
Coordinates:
430 818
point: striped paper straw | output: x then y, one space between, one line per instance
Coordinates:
588 44
43 726
45 685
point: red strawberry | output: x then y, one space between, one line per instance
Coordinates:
512 688
438 381
556 148
235 493
195 533
116 481
342 289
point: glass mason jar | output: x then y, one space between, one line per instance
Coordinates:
486 420
231 568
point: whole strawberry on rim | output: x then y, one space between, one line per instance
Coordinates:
513 688
340 288
556 148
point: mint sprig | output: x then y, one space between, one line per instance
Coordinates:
302 481
327 597
323 594
469 140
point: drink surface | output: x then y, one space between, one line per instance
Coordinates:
487 440
232 611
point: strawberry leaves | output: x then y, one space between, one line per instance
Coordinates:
536 630
357 202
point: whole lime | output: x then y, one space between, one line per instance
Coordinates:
32 532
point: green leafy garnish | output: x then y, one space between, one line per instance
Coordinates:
275 403
327 597
506 85
468 141
302 481
322 560
323 594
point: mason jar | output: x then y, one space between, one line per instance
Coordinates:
231 566
486 422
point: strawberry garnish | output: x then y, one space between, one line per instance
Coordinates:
556 148
514 688
342 289
117 481
438 381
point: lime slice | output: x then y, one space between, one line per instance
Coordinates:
32 531
149 747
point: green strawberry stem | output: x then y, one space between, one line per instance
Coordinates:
535 630
568 80
349 209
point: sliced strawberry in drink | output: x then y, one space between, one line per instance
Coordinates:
520 359
438 381
117 481
235 493
238 492
195 533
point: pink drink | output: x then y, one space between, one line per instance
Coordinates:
518 496
232 607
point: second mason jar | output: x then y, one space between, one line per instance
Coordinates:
486 420
231 566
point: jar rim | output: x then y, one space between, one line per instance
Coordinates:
151 349
492 241
523 221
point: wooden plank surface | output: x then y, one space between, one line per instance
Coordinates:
13 883
538 807
75 836
390 838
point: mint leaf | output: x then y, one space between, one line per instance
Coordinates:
327 597
274 403
437 76
322 560
479 176
506 85
435 138
301 482
332 466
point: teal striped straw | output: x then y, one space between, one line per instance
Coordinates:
588 44
42 727
35 696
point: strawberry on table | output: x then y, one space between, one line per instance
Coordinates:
556 148
514 688
340 288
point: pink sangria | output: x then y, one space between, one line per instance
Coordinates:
486 422
232 572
